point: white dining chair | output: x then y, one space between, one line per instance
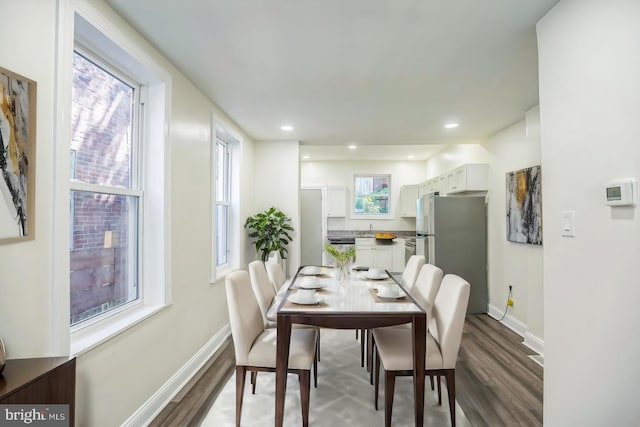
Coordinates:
255 346
411 271
424 291
276 274
264 291
394 345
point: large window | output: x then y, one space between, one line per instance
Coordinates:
105 199
371 194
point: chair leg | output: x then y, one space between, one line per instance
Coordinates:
373 353
433 387
362 345
240 378
305 383
389 386
439 380
318 344
357 334
451 390
370 343
377 381
315 369
254 379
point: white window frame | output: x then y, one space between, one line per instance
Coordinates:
369 216
80 22
220 130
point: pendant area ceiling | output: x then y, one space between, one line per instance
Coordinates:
382 72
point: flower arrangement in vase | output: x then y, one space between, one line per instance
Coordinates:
343 258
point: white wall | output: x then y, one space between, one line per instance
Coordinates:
589 68
277 184
117 377
516 264
340 173
510 263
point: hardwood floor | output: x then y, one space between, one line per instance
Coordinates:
497 384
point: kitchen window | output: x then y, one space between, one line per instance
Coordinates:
371 195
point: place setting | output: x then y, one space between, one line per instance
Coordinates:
306 297
388 292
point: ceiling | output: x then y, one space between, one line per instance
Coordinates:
365 72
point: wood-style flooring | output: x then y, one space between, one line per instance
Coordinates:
497 384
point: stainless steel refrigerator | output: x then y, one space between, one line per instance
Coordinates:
451 232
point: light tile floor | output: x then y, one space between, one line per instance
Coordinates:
344 396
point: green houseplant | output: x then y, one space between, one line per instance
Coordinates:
270 229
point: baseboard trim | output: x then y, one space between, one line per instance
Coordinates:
529 340
534 343
156 403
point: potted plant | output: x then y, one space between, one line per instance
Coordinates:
270 229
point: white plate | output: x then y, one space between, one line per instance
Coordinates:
311 271
292 298
399 295
373 276
311 284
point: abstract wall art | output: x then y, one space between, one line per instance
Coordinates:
17 156
524 206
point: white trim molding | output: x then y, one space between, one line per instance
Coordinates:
529 340
534 343
156 403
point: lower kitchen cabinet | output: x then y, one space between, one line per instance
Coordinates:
371 254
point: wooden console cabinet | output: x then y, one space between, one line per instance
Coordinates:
47 380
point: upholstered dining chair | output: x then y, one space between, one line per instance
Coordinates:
409 275
424 291
255 346
394 349
276 274
266 295
411 271
264 291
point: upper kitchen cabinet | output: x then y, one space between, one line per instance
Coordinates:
470 177
408 197
336 202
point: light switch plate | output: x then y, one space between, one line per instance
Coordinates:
568 223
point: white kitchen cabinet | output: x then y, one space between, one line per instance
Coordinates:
408 197
371 254
336 202
470 177
399 260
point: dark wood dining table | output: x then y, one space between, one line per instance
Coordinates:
347 303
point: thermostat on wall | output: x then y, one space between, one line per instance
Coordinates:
622 192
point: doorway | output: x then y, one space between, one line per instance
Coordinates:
311 226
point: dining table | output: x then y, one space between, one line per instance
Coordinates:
347 302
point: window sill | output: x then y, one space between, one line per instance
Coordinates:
91 336
222 272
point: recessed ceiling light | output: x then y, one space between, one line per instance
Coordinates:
451 125
353 147
411 156
306 156
287 128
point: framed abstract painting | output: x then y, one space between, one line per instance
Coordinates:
524 206
17 156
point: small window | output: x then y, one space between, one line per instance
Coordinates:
225 199
371 194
